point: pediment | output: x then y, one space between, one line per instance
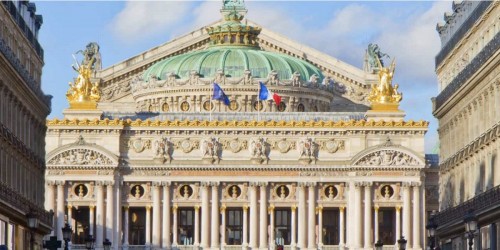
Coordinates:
387 154
81 153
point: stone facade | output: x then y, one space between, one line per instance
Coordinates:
23 110
467 109
146 175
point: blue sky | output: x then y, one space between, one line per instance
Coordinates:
405 30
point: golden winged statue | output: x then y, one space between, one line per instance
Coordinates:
82 93
383 95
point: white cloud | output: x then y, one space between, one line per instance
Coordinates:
140 20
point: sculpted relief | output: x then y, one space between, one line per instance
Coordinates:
80 156
387 158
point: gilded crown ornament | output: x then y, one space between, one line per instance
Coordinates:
83 93
384 96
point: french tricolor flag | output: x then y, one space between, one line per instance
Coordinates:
265 94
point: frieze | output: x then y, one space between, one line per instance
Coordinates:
80 156
210 149
163 149
186 145
308 150
319 173
387 158
282 145
234 145
143 172
259 150
332 145
139 144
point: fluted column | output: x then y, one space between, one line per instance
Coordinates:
398 222
148 225
406 212
215 215
320 226
245 226
205 220
109 210
357 215
125 225
253 215
416 216
302 216
375 223
196 225
165 242
368 215
263 215
293 242
60 209
99 230
341 227
175 235
156 215
50 200
223 225
311 227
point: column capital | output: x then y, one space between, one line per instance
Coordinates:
222 208
293 207
174 208
92 206
367 184
416 184
70 206
166 183
214 183
99 183
406 184
358 184
156 183
253 184
301 184
204 184
263 184
109 183
342 208
376 207
311 184
319 209
125 207
50 182
270 209
245 207
148 207
398 208
59 183
197 208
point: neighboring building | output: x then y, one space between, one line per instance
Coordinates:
23 111
467 107
152 160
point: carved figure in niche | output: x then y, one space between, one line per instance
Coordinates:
282 192
330 192
185 192
137 191
386 192
80 191
234 192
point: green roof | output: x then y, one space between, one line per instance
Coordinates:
233 60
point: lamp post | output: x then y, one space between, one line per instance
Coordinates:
33 223
67 232
431 231
379 245
470 221
402 243
89 242
106 244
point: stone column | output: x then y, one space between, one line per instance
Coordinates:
245 226
302 226
205 220
253 215
50 200
341 227
368 216
196 225
375 223
175 238
215 216
60 209
223 225
320 226
311 227
406 212
166 230
118 217
125 225
416 215
263 215
398 222
70 215
293 242
272 237
109 210
148 225
156 215
91 220
357 215
99 230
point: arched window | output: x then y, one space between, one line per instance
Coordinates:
300 107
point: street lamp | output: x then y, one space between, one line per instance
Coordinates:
402 243
89 242
431 230
33 223
67 232
470 221
379 245
106 244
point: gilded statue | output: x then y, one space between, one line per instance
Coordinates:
383 95
82 93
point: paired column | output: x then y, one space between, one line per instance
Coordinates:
272 237
118 219
341 227
302 216
223 225
109 210
368 215
49 202
253 214
60 209
165 241
376 226
416 215
148 225
125 225
156 214
357 215
293 242
311 237
205 220
215 215
245 226
406 212
398 222
196 225
263 215
91 219
99 231
320 225
175 237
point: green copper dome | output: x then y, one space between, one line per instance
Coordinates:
233 60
